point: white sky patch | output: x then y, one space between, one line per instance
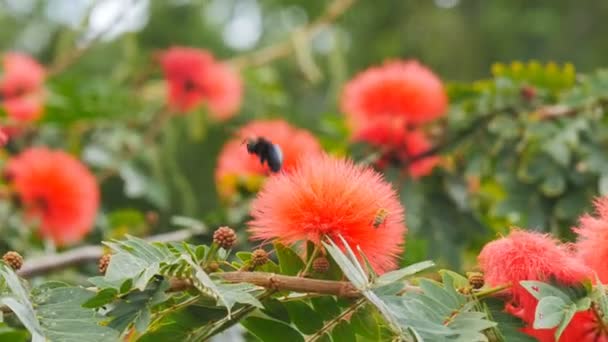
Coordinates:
67 12
244 29
447 3
19 7
115 17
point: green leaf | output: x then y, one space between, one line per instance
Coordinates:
342 332
583 304
434 290
102 298
178 325
549 312
398 275
567 317
540 290
348 264
304 317
26 316
289 262
63 318
326 307
135 307
364 323
8 334
271 330
459 281
553 185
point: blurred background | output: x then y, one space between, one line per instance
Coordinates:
99 104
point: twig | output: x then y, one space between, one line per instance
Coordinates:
478 123
286 47
331 324
85 254
291 283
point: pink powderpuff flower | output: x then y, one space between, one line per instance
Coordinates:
235 164
592 241
56 189
404 89
22 87
195 78
526 255
329 197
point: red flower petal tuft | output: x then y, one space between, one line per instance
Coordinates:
398 88
194 78
324 196
399 144
526 255
21 87
234 161
592 243
58 190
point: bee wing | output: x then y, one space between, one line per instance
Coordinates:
275 158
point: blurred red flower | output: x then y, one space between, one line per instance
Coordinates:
235 165
56 189
584 327
404 89
398 145
324 196
22 87
592 243
194 78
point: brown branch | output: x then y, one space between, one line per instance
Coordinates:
49 263
290 283
283 49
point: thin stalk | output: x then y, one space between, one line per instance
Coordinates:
331 324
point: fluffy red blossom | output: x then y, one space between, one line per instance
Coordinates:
584 327
324 196
526 255
57 190
195 78
398 88
592 243
236 165
21 87
399 144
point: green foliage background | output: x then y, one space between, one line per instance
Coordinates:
100 105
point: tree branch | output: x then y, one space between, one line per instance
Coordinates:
283 49
290 283
48 263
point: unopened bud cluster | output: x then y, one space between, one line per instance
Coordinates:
224 237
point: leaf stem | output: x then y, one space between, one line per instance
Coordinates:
331 324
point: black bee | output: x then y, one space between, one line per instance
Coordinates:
266 151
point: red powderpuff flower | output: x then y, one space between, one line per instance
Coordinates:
234 162
324 196
21 87
528 256
57 190
584 327
194 78
398 88
592 242
399 144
